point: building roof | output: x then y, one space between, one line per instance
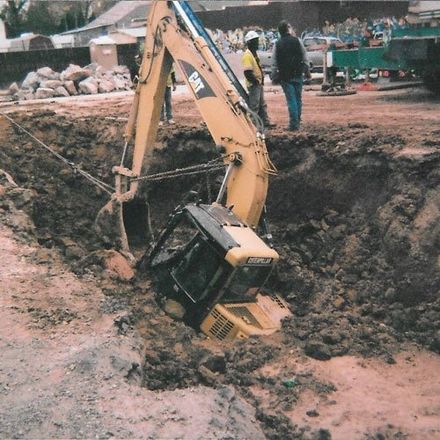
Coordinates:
24 42
137 32
140 8
115 14
26 36
210 5
102 41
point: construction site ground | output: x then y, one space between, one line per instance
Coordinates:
86 351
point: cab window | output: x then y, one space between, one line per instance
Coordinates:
199 267
246 283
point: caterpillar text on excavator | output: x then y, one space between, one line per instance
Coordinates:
209 258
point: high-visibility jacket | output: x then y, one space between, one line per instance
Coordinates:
250 62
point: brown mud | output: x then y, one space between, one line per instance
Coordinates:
355 216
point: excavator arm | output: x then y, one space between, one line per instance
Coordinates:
224 111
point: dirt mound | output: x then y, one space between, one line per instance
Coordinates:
358 239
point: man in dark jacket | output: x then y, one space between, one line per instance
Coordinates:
289 65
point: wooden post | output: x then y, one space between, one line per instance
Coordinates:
324 67
347 77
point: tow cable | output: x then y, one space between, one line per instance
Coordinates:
76 169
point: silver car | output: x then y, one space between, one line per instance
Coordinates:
315 47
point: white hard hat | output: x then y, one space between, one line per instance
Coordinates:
251 35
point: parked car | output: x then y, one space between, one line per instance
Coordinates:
315 47
266 61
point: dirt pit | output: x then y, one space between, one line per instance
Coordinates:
355 215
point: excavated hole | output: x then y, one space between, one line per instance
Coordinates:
357 227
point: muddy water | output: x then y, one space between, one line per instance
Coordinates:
355 217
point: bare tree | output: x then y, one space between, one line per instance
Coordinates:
13 14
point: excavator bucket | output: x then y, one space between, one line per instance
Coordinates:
109 225
124 225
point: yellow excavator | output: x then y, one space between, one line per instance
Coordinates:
209 258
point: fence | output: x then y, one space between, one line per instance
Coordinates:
14 66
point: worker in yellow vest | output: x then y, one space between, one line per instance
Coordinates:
255 78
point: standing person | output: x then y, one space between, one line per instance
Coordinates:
367 37
167 109
255 78
289 63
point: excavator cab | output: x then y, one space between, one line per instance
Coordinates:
214 267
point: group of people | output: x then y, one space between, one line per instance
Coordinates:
234 40
352 30
289 66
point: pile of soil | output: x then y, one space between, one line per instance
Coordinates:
355 216
358 239
64 204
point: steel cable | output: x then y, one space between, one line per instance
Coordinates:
99 183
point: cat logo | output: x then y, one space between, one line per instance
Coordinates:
198 84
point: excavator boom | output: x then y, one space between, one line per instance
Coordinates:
222 107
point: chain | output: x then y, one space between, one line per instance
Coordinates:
99 183
208 167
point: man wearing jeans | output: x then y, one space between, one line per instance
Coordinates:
288 65
167 108
255 78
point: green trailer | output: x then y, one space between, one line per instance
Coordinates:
416 48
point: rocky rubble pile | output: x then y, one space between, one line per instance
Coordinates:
75 80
